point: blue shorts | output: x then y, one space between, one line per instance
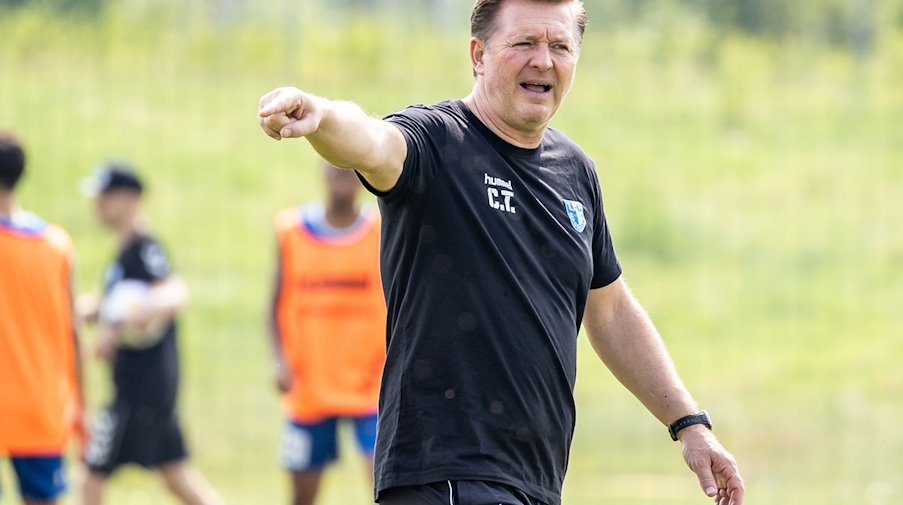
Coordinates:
41 478
312 447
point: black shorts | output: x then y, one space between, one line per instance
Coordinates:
124 434
457 492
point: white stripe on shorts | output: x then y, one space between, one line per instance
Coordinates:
451 494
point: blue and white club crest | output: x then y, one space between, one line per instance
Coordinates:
575 214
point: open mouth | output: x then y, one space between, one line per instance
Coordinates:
536 87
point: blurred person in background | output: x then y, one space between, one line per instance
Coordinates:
495 248
327 328
137 337
40 368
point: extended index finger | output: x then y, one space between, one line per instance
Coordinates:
284 103
272 95
267 98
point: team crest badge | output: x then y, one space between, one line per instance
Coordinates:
575 214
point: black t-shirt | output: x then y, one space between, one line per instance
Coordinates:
145 377
488 254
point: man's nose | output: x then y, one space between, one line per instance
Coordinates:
542 57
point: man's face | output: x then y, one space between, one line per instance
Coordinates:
115 207
342 186
527 66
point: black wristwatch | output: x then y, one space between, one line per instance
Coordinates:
686 422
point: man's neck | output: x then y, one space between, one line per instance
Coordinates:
526 140
342 215
127 231
7 204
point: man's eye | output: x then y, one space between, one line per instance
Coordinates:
523 44
561 47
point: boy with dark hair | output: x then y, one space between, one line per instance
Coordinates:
40 372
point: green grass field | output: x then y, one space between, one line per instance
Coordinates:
754 191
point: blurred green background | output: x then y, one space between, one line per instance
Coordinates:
751 152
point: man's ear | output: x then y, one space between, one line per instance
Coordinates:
477 53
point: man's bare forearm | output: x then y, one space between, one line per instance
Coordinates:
627 342
349 138
341 132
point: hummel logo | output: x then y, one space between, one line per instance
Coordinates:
500 199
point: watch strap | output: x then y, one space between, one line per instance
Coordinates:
687 421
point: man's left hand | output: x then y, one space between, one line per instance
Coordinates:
716 468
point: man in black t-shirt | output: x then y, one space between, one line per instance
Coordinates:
137 336
495 249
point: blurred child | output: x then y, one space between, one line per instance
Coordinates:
328 328
40 372
137 336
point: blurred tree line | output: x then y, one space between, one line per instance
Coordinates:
851 24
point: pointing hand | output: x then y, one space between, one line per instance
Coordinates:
289 113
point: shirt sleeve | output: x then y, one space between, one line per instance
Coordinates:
606 267
420 126
153 263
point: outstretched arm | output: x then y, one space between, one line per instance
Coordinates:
625 339
341 132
